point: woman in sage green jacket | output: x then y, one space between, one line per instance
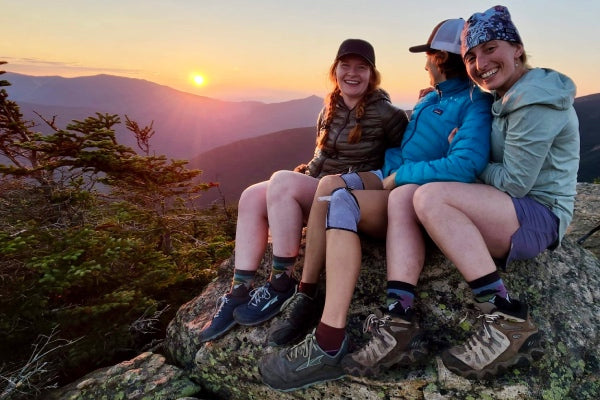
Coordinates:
526 199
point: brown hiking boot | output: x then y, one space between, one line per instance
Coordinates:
394 340
507 338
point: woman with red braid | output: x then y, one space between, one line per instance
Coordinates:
356 126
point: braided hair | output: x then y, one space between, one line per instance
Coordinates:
332 99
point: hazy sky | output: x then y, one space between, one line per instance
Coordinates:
272 50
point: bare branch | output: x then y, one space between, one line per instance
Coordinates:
37 374
51 123
146 324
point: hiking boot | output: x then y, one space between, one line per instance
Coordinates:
265 302
302 365
394 340
299 314
507 338
222 320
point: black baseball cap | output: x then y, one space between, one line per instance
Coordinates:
358 47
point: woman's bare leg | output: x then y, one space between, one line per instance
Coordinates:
252 230
343 255
289 198
470 223
314 258
405 245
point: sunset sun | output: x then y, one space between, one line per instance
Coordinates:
199 80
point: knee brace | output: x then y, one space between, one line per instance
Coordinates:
353 181
343 211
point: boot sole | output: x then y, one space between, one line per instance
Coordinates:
219 334
415 357
522 359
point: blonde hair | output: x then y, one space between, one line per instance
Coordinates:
332 99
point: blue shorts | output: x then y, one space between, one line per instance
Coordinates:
354 182
537 232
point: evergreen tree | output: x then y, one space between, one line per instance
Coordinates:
99 245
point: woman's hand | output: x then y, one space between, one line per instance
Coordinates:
452 134
425 91
389 182
302 168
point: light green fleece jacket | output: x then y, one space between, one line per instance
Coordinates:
535 142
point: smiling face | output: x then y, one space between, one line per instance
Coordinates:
495 65
353 74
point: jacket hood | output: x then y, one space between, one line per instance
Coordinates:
539 86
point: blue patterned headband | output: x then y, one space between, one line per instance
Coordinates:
492 24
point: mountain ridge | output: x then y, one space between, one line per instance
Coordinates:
186 124
205 130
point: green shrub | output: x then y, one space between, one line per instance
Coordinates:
99 246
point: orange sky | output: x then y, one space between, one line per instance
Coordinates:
272 50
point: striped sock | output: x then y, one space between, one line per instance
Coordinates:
486 288
400 294
281 272
243 281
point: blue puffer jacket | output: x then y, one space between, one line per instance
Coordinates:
425 154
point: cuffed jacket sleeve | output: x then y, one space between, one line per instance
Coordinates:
426 154
527 141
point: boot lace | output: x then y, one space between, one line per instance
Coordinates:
221 302
303 349
259 294
484 335
373 324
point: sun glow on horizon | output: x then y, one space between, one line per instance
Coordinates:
199 80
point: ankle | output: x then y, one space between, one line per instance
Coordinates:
239 291
309 289
281 282
329 338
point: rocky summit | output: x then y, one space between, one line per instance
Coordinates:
562 288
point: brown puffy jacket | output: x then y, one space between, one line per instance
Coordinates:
382 127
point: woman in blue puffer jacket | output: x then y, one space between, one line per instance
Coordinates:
447 138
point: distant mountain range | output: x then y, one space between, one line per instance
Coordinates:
185 124
233 143
240 164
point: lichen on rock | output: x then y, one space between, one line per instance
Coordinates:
562 288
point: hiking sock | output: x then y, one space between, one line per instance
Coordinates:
486 288
243 281
400 297
281 273
330 339
309 289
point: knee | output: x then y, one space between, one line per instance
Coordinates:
427 200
328 184
281 184
343 211
253 199
279 179
400 202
